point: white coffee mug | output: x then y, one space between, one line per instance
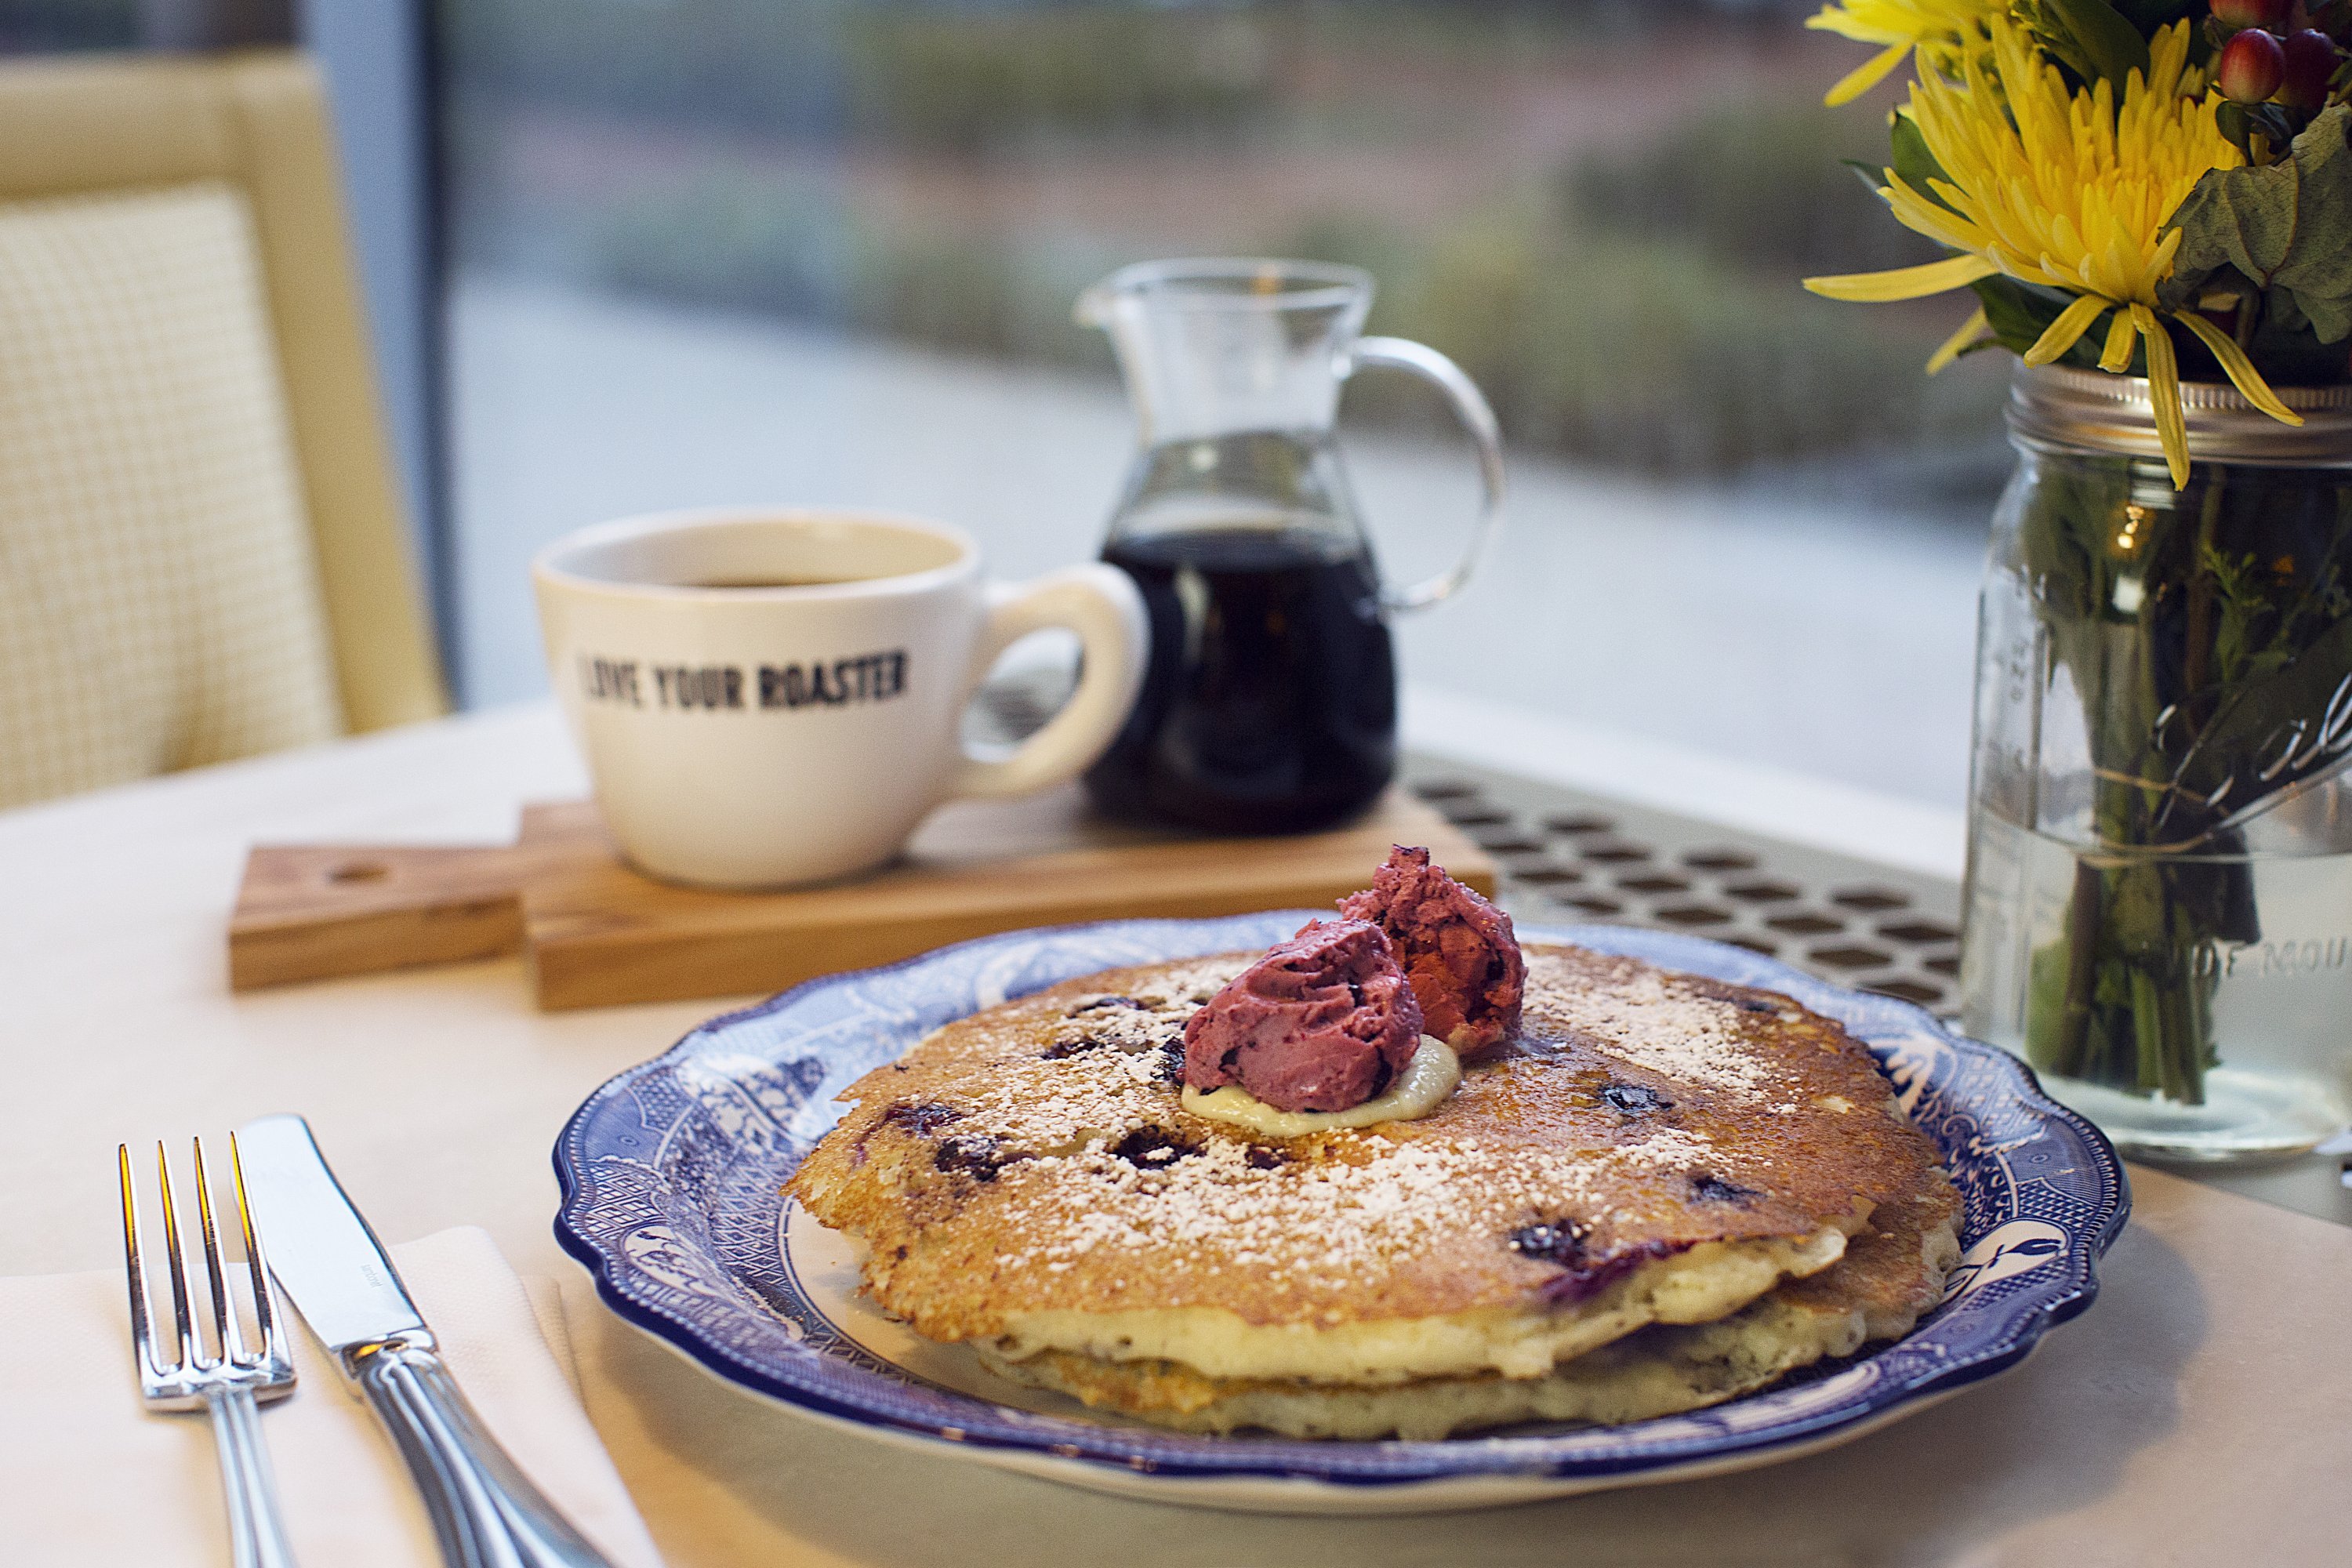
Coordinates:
771 697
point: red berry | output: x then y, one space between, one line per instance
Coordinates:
2270 13
2311 57
2253 64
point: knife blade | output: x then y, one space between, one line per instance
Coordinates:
331 1262
486 1512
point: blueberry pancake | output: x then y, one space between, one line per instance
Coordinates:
1627 1205
1889 1276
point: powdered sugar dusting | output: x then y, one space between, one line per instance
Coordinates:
1365 1200
1387 1200
1638 1015
1112 1048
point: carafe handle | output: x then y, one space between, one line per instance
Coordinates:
1469 405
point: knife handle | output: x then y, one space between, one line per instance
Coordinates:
486 1511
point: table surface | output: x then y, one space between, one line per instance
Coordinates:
2195 1415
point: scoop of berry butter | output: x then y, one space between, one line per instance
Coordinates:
1457 950
1323 1022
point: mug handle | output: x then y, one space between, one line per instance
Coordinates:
1469 405
1101 605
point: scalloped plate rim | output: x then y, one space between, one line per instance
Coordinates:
1229 1472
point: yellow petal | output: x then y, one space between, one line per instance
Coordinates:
2164 393
1921 216
2242 371
2120 339
1865 76
1971 331
1905 282
2066 331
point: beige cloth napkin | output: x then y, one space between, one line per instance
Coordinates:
90 1478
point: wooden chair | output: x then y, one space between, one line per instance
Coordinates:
202 546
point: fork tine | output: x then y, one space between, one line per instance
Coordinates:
191 1354
142 1332
265 1318
225 1333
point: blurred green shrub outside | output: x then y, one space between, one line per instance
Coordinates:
795 248
1637 309
908 74
768 64
1663 347
972 81
1757 185
1641 355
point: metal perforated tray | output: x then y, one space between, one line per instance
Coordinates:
1567 856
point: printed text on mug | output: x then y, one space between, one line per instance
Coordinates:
834 683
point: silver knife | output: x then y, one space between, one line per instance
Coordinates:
486 1511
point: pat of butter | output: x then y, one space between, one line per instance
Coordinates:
1421 1088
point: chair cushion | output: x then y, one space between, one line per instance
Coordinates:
160 605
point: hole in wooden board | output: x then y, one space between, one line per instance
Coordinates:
1946 966
1445 789
1870 899
1762 892
1651 882
1753 945
1850 957
359 871
1471 814
1579 825
1908 990
1613 854
1594 905
1805 925
1545 876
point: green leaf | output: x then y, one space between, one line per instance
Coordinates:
2112 46
2287 345
2330 318
2019 313
1913 164
2230 120
2147 16
2286 227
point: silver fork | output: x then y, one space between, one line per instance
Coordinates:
230 1383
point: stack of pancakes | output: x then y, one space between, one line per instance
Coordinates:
1666 1191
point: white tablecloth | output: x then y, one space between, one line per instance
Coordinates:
2196 1415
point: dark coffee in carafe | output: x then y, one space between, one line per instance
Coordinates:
1269 705
1270 702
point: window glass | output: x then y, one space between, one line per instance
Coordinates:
826 250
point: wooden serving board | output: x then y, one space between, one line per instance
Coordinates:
595 934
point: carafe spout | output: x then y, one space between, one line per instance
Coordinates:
1230 346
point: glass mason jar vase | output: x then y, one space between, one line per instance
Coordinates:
2159 908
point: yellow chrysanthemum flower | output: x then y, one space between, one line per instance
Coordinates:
1944 29
2062 189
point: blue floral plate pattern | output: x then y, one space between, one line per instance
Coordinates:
670 1174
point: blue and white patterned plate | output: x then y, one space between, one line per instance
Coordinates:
670 1176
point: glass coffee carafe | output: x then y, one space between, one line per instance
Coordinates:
1270 702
